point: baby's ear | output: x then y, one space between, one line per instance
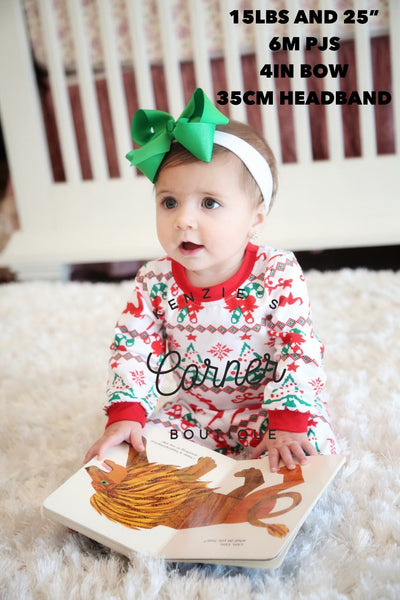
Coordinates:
260 215
258 220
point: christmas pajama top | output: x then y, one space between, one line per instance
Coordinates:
243 355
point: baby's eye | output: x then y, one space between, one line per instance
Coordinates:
210 203
169 202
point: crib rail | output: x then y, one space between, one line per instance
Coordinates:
68 221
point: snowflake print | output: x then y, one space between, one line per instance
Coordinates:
138 377
317 385
220 351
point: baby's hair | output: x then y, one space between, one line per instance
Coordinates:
179 155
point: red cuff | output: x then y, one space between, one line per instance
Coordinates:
126 411
288 420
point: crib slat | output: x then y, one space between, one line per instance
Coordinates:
171 59
365 82
141 62
269 114
233 66
200 51
300 112
333 111
22 122
115 87
88 90
394 21
59 88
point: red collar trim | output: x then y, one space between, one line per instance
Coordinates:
222 290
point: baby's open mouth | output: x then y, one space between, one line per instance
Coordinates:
190 246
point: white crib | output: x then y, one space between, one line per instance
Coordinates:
336 202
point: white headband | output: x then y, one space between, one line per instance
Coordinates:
254 161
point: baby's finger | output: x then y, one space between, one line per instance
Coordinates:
136 441
273 455
297 451
310 449
286 455
95 450
258 450
91 453
102 450
108 441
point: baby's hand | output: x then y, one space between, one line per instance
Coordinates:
116 433
284 444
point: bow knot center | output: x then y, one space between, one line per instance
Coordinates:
171 126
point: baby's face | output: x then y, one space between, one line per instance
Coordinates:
204 217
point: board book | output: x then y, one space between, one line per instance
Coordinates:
185 502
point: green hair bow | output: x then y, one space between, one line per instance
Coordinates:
155 130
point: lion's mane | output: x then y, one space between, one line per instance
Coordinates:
148 494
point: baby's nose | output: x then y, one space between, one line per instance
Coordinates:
186 219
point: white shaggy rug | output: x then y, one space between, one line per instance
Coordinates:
55 339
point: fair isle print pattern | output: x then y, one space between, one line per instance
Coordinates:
245 433
132 386
289 395
230 351
122 392
241 433
193 370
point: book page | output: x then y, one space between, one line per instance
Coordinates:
182 501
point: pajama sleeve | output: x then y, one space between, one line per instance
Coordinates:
132 387
294 392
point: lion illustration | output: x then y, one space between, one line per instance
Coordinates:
142 495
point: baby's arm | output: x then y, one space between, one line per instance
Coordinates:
291 395
130 390
116 433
